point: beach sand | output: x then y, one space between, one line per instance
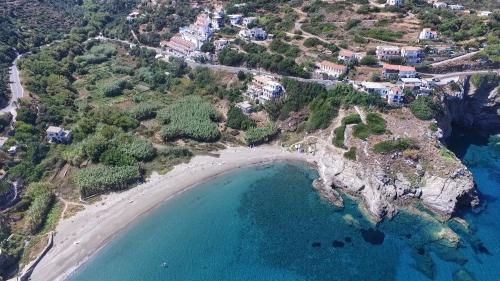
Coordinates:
79 237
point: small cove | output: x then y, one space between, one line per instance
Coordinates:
268 223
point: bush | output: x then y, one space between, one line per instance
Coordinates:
237 120
140 149
42 197
175 152
5 189
389 146
375 125
258 135
351 154
100 179
190 117
424 108
338 140
368 60
382 34
351 119
114 89
144 111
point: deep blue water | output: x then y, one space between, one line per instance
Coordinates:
268 223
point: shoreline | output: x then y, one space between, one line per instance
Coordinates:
81 236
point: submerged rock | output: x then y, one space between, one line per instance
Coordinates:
316 244
462 275
424 262
373 236
337 244
348 239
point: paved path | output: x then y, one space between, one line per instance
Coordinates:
453 74
16 90
454 59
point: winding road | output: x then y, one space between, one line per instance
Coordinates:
16 89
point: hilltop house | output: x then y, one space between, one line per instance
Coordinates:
412 55
395 2
58 135
249 20
349 56
245 107
235 19
427 34
392 71
179 46
387 52
440 5
255 33
331 69
394 96
456 7
264 88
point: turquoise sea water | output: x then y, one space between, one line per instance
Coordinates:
268 223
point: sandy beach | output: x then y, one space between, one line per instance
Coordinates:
79 237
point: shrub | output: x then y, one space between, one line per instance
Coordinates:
382 34
144 111
351 119
375 125
389 146
175 152
258 135
425 108
100 179
140 149
368 60
114 88
5 189
190 117
338 140
351 154
237 120
42 198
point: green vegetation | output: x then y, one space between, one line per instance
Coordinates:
190 117
338 141
286 49
258 135
382 34
101 179
5 189
41 196
485 81
351 154
375 125
368 60
390 146
425 108
237 120
325 106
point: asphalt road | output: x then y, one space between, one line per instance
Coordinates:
16 89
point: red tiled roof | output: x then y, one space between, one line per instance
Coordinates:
346 53
394 67
332 65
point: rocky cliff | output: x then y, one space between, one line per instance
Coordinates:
476 105
387 182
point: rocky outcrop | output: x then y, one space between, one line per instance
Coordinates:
476 106
383 194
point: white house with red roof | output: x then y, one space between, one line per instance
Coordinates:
349 56
387 52
179 46
392 71
331 69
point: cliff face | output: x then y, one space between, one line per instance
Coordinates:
476 106
382 193
427 172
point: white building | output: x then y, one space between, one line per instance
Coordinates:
484 13
427 34
440 5
249 20
456 7
12 150
394 96
245 107
349 56
412 55
264 88
375 88
58 134
220 44
395 2
235 19
132 16
392 71
199 32
255 33
331 69
179 46
387 52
